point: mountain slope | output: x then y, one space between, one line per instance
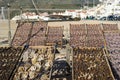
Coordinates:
44 4
48 4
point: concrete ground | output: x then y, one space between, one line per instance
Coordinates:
4 30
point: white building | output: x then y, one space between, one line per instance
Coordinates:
108 7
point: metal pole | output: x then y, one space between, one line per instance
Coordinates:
88 4
67 55
72 64
21 13
35 6
9 26
2 13
93 3
28 16
50 76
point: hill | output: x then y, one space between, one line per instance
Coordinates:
45 4
48 4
